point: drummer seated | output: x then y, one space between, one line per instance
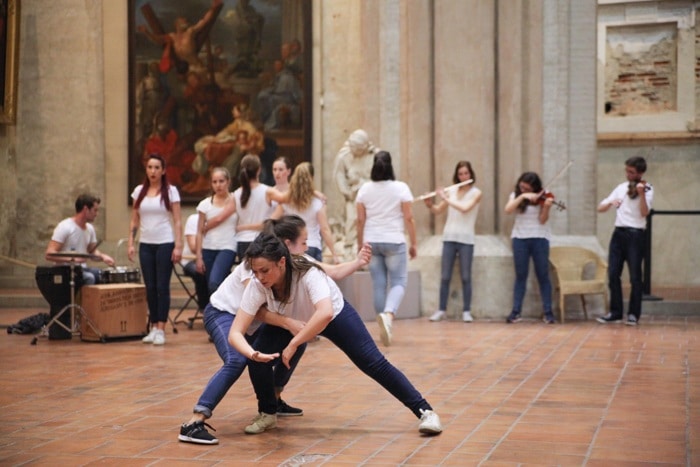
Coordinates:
76 235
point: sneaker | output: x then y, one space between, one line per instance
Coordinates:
148 339
197 433
609 319
384 328
631 320
438 316
548 319
467 317
264 421
513 317
159 338
429 423
286 410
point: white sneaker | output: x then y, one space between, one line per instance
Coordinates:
148 339
384 328
467 317
159 338
429 423
438 316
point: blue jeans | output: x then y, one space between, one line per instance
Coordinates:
538 250
91 275
349 334
388 264
450 251
218 324
217 265
156 269
315 253
626 244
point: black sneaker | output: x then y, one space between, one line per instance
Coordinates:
631 320
286 410
197 433
549 319
609 319
513 317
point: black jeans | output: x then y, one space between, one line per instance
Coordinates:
626 245
349 334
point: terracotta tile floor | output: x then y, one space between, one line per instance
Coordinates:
575 394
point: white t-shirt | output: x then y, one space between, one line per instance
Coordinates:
223 236
527 224
190 229
459 226
72 237
255 211
382 201
227 297
307 290
628 214
156 221
310 216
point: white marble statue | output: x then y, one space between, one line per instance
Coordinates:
353 165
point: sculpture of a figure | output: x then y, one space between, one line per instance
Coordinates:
353 165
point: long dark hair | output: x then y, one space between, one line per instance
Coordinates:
272 248
250 166
287 227
468 165
382 168
532 179
164 185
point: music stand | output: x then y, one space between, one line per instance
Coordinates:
72 306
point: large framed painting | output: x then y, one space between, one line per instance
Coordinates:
9 59
213 80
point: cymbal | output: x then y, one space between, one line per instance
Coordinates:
71 254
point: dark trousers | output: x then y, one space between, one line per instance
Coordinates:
156 268
349 334
626 245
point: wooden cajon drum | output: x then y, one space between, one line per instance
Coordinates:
116 310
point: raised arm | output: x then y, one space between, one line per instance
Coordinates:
326 235
229 210
464 206
342 270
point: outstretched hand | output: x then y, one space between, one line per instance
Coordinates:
364 255
264 357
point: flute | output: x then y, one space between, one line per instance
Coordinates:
433 193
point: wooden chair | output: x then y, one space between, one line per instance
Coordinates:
572 274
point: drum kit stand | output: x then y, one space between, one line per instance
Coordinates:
76 311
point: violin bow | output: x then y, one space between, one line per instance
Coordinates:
559 174
559 204
433 193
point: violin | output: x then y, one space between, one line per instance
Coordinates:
545 195
632 188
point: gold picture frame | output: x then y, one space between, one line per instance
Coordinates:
9 59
